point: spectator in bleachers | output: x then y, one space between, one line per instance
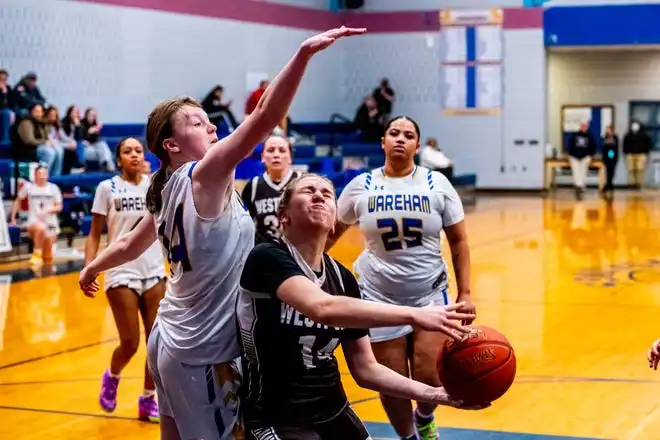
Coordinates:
27 94
44 201
384 96
58 138
254 97
30 138
73 128
581 148
96 148
369 120
6 105
218 110
433 158
636 146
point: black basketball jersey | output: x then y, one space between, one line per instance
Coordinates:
290 373
262 197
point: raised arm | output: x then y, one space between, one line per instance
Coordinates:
127 248
213 176
342 311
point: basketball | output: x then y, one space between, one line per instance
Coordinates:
479 369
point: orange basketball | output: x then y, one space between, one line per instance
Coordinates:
479 369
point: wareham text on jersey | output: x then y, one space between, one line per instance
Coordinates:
291 316
399 202
128 203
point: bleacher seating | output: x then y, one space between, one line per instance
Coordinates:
312 155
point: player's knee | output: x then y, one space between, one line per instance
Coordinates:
129 345
424 369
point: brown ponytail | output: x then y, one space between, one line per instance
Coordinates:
159 128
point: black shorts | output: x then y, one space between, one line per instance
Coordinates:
345 426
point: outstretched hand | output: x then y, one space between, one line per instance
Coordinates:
88 283
441 397
322 41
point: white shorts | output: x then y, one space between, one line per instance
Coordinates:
203 400
382 334
138 286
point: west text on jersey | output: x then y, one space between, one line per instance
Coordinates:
399 202
267 206
291 316
130 204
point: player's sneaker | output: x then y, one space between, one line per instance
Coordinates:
426 427
108 397
148 409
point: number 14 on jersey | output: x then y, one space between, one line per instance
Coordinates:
400 233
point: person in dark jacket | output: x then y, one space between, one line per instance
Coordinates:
218 110
6 106
610 150
27 94
581 148
636 147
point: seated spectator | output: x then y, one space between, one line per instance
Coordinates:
73 128
58 138
44 202
30 141
432 157
96 149
218 110
384 96
369 121
27 94
6 105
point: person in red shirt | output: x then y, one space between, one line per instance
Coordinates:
254 97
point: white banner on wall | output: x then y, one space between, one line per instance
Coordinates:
471 55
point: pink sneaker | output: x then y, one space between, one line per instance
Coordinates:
148 409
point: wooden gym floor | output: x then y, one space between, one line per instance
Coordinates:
574 285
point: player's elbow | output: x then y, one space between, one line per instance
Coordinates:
325 310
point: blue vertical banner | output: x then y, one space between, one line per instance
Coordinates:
471 61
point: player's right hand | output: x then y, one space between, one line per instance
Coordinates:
654 355
88 283
441 397
444 319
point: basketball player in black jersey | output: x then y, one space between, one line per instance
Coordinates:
296 305
262 194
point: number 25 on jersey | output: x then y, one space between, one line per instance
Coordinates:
405 233
175 244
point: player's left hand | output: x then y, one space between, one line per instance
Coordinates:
654 355
88 283
468 307
322 41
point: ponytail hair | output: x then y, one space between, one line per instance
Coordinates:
160 128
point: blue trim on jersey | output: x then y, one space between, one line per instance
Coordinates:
367 182
445 296
429 177
192 167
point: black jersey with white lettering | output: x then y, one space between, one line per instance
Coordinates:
262 198
290 371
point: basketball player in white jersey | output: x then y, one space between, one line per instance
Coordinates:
136 287
401 209
44 202
206 234
262 194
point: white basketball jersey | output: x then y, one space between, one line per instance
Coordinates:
124 204
401 219
197 317
40 200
